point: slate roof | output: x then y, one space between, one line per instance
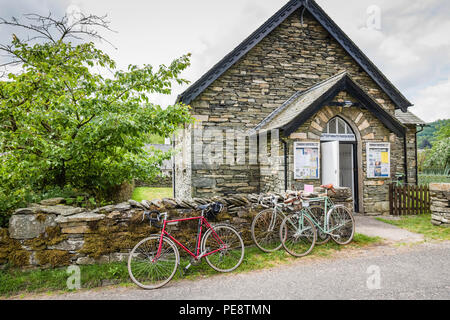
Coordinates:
316 11
408 118
297 104
304 104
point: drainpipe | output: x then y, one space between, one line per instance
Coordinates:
405 155
285 164
417 165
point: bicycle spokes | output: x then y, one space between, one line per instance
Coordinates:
317 213
265 230
151 270
342 225
227 255
298 235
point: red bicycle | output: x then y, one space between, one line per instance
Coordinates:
154 260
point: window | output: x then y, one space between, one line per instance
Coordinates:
338 129
331 128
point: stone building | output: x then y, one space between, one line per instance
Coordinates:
301 90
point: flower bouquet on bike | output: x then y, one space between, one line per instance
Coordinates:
153 262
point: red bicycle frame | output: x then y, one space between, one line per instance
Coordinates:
202 220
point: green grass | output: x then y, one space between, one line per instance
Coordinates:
13 282
426 178
421 224
145 193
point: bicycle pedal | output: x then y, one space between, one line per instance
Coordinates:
185 269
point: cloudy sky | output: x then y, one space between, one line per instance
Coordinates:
411 45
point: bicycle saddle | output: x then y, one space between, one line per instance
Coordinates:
203 206
329 187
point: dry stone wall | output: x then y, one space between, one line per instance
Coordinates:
52 234
440 204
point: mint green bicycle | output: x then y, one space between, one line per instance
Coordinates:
265 228
297 235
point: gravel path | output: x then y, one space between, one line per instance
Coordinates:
420 271
374 228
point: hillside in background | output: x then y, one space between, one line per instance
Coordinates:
425 138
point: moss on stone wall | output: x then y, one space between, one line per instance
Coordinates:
41 217
109 236
53 257
19 258
11 251
50 237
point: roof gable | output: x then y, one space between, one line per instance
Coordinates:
296 104
304 104
230 59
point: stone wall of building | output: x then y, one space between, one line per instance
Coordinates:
290 59
440 204
411 154
55 234
272 168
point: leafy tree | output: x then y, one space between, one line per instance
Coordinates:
428 133
68 117
439 155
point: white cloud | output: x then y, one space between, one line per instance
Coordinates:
397 52
412 48
436 38
433 102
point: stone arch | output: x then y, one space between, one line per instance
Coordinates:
323 116
341 120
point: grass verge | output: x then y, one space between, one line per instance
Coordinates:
13 281
145 193
421 224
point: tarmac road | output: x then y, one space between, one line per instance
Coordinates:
421 271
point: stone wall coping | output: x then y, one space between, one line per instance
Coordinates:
66 213
445 187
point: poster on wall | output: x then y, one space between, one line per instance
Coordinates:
378 160
306 160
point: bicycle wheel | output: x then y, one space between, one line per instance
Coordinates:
265 230
228 259
318 213
298 234
342 224
149 271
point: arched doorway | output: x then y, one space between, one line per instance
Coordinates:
339 157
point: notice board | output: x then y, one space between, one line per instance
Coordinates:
306 160
378 160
